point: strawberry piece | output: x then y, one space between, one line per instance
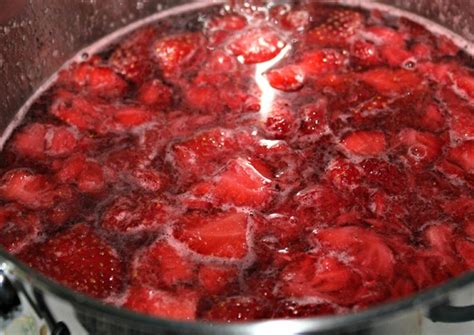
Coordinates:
392 44
256 45
289 78
222 235
215 279
148 179
81 260
365 143
385 175
132 58
161 265
433 119
466 83
237 309
343 174
38 140
177 52
323 61
85 173
337 29
60 142
77 111
465 248
135 213
34 191
156 94
129 117
371 255
181 305
29 141
280 121
194 155
365 54
323 277
18 228
440 237
242 184
296 19
313 119
463 155
94 79
422 148
391 82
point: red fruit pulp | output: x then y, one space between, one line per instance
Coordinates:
250 163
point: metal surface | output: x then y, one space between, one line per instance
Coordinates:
38 36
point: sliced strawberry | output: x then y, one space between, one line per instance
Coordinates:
463 155
18 228
391 82
60 141
365 143
38 140
339 27
194 156
385 175
365 54
466 83
237 309
77 111
181 305
256 45
433 118
465 248
371 255
129 117
176 52
222 235
324 277
161 265
280 121
81 260
391 43
29 141
135 213
343 173
289 78
94 79
323 61
86 173
132 58
313 118
156 94
214 279
34 191
148 179
322 202
242 184
422 147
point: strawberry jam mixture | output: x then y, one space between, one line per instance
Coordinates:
251 163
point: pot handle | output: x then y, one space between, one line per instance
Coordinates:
10 300
446 313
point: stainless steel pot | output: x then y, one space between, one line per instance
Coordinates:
36 38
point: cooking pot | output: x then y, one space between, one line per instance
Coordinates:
37 37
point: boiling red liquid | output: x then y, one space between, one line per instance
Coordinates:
258 163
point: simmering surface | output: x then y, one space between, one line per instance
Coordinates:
261 163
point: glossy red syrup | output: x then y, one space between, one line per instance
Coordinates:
281 162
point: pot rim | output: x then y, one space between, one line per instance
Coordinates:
422 300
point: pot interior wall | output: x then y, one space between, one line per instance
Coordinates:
36 37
